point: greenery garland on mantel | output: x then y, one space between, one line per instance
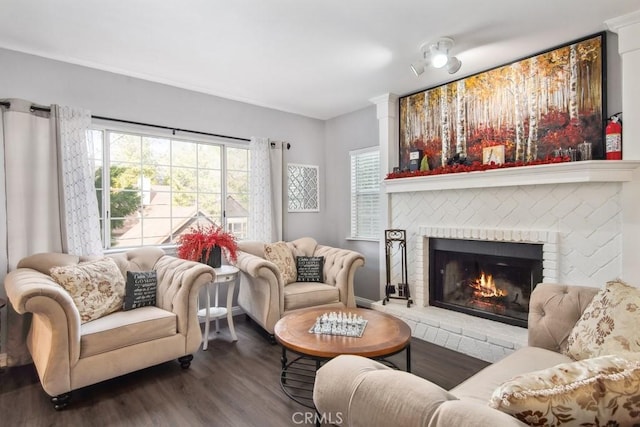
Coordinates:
474 167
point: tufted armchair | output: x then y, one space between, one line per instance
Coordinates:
69 354
265 297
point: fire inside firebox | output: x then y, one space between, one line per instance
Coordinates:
487 279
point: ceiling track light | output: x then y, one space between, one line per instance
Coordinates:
436 54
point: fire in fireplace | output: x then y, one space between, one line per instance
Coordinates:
493 280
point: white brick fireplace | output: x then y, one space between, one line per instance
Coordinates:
585 214
575 210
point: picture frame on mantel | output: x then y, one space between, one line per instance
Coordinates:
548 101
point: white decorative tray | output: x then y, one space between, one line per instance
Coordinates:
339 323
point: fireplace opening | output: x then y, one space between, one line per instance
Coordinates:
492 280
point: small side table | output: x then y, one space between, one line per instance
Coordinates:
227 274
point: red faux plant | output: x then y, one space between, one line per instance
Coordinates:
196 243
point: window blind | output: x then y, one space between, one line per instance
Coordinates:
365 193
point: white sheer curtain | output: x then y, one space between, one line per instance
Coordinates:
34 218
81 225
265 194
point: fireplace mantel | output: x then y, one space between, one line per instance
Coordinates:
556 173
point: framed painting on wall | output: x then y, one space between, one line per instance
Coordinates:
550 101
303 188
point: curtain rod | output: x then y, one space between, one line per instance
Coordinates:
174 130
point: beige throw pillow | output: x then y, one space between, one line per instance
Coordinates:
96 287
603 391
280 254
609 325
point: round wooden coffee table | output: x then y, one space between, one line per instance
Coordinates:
383 336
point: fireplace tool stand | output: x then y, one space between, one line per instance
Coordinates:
399 237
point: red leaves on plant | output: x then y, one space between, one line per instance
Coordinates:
198 241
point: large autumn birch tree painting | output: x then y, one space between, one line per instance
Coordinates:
532 107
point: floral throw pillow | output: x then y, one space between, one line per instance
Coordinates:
603 391
280 254
609 324
96 287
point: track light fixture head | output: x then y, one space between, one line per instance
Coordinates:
436 53
417 68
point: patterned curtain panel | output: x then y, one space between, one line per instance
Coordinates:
260 212
265 183
79 206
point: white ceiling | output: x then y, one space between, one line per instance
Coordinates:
318 58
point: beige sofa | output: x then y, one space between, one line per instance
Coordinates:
362 392
264 296
69 355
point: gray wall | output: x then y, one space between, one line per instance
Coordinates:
44 81
345 133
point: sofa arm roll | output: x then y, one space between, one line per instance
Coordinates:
469 413
554 310
340 267
25 283
256 267
179 282
30 291
356 391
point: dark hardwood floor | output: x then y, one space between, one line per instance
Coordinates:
230 384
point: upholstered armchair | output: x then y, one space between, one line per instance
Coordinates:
70 352
266 293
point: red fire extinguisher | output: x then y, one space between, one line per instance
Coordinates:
614 138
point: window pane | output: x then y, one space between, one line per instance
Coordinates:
365 187
209 156
124 147
156 231
161 176
184 179
209 180
211 206
237 158
238 181
160 187
95 144
125 175
184 201
156 151
184 154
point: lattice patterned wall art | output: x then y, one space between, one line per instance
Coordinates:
303 188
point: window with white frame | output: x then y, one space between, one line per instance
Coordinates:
365 193
161 186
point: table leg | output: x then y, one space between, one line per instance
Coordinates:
283 359
232 329
283 363
408 351
207 319
216 305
